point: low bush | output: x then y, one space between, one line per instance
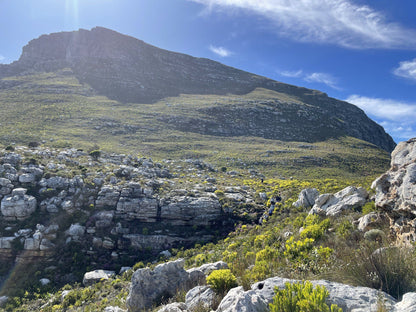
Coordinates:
221 281
301 297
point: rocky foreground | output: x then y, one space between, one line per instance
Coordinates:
394 194
115 204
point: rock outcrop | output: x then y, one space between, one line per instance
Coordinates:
151 286
307 198
55 203
396 191
18 205
95 276
334 204
349 298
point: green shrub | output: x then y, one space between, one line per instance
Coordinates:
369 207
301 297
221 280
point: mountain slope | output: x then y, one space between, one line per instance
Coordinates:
127 70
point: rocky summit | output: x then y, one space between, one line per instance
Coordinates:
100 61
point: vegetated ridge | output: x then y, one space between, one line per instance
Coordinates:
83 64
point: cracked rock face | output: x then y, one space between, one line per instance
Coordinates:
396 191
18 205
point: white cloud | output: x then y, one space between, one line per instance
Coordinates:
406 69
340 22
291 74
2 58
398 118
385 108
221 51
324 78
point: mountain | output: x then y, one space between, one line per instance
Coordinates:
125 70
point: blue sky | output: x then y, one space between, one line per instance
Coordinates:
357 50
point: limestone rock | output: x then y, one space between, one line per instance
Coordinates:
114 309
6 242
200 296
371 221
144 209
408 303
107 197
307 198
148 286
184 210
396 191
334 204
174 307
349 298
75 231
18 205
96 276
207 268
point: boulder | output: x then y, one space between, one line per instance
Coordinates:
372 220
306 198
396 191
44 281
349 298
114 309
334 204
18 205
96 276
148 286
408 303
75 231
207 268
174 307
200 297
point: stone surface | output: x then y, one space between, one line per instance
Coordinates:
18 205
207 268
96 276
396 191
307 198
334 204
169 278
349 298
408 303
174 307
200 297
190 210
373 220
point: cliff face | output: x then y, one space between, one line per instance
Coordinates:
130 71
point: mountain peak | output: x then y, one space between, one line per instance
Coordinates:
129 70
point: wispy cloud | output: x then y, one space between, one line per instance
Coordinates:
291 74
221 51
339 22
398 118
406 69
2 58
323 78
